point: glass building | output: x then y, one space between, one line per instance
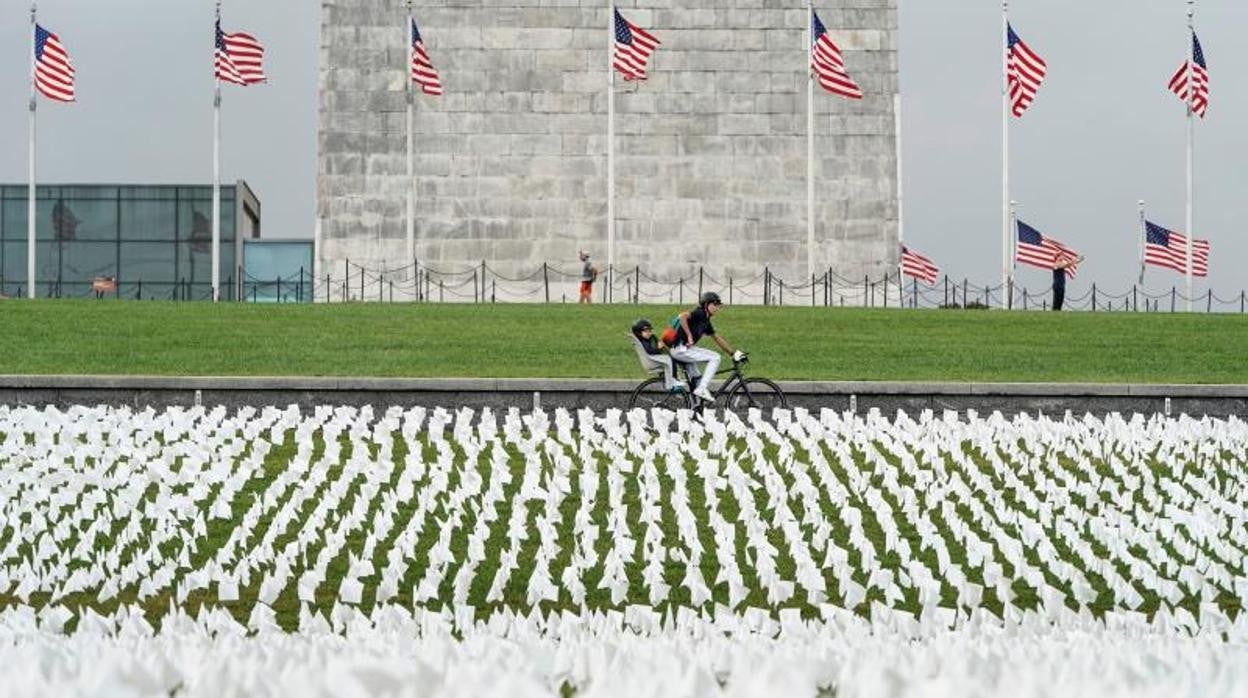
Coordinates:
278 271
152 242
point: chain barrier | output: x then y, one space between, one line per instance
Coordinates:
415 282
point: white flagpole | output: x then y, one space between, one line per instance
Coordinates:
610 136
410 184
901 228
1141 237
216 180
1012 221
1005 153
810 141
1191 133
30 187
901 219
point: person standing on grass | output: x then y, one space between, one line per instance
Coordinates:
589 274
1059 279
692 326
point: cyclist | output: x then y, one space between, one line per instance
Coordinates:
693 325
643 332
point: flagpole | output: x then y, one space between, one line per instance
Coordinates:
30 188
216 180
1191 132
610 137
1012 222
1005 152
901 218
901 229
1141 238
410 185
810 142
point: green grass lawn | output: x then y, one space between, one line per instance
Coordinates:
166 338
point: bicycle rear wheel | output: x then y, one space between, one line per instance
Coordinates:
757 392
653 393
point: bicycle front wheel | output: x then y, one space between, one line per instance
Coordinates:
653 393
757 392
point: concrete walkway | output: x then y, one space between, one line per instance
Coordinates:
525 393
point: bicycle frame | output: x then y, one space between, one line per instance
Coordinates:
726 386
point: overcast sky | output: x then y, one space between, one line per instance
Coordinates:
1102 134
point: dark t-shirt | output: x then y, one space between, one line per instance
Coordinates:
650 345
1059 279
699 325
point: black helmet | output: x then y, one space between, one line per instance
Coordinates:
710 297
642 324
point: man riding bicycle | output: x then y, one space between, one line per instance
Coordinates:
693 325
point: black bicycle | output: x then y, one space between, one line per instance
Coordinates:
742 393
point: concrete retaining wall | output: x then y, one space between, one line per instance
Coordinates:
1010 398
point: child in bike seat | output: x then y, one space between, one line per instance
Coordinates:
654 357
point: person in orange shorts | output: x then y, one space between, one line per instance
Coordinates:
589 274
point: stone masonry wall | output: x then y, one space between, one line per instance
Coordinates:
511 161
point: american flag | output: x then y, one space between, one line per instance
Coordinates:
633 46
240 58
1040 251
828 63
423 72
1200 78
1026 70
918 266
1166 248
54 72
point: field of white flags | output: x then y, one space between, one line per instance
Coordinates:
347 551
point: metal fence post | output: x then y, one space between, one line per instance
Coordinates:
701 274
1173 293
1094 296
546 280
